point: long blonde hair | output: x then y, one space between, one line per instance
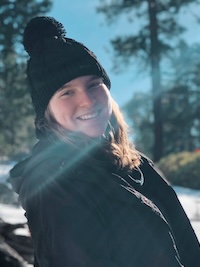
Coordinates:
117 145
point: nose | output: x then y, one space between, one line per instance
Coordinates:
86 99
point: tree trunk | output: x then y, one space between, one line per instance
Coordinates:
156 81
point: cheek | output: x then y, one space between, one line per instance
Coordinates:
108 102
59 110
54 107
104 97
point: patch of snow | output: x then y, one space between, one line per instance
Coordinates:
5 167
190 200
12 214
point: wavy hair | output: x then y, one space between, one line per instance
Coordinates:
115 143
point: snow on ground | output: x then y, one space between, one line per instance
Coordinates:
5 167
190 200
12 214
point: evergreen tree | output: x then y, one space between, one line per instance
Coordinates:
154 39
16 114
180 105
180 101
139 114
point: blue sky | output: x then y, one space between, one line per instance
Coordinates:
83 24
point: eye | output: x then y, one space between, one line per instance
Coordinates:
95 84
67 92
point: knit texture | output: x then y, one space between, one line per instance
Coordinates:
55 60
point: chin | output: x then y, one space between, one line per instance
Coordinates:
95 134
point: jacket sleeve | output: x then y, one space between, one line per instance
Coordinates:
66 231
157 189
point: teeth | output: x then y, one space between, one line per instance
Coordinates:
90 116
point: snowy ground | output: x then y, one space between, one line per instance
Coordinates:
4 169
190 200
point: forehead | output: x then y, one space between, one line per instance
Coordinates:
79 80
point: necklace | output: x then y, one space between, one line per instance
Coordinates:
139 181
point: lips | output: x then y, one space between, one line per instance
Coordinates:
89 116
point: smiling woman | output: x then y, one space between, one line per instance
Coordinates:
83 105
91 198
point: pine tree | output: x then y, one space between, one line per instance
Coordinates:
16 114
180 105
154 39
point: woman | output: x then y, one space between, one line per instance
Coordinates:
91 198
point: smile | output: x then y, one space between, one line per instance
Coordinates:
89 116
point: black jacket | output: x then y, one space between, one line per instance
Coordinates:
83 212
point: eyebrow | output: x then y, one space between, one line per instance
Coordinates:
68 84
94 77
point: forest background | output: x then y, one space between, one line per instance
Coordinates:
151 50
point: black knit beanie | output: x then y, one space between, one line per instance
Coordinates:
55 60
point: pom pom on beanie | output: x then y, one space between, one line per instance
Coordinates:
40 28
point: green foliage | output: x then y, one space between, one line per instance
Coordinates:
16 112
138 43
153 38
180 106
139 113
182 169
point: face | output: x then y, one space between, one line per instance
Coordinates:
83 105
